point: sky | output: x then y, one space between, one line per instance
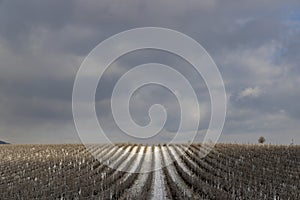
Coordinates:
255 44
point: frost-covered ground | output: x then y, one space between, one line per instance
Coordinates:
159 190
72 172
176 178
142 177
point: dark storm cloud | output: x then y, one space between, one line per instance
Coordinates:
42 43
76 26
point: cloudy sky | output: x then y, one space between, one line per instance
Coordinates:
255 44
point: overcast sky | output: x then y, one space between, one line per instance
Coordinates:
255 44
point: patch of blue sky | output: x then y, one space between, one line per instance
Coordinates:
293 19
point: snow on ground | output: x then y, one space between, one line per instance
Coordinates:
146 167
147 161
110 155
138 158
174 175
129 156
159 190
180 162
99 151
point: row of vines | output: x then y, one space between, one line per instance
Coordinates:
229 171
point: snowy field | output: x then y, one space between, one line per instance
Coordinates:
129 171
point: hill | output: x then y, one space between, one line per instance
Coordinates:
2 142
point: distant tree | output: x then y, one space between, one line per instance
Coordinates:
261 140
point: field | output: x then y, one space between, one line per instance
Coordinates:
229 171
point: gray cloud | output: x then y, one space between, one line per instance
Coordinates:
254 43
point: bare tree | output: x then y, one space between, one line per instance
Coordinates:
261 140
